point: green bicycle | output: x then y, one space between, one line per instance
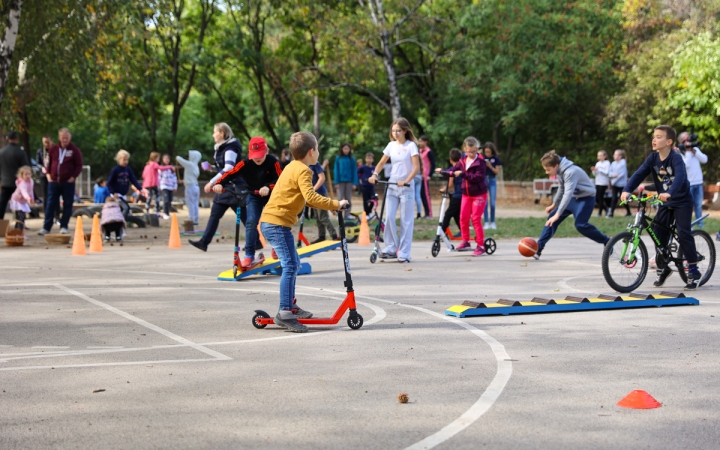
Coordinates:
625 258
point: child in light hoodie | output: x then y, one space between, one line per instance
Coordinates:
112 220
190 180
23 198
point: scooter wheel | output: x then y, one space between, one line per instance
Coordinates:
490 246
435 248
373 257
355 322
259 315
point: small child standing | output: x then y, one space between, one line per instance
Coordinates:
474 194
323 218
191 172
100 191
168 184
112 219
294 188
150 180
23 198
455 191
368 190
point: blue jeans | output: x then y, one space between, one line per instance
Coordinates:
281 239
581 209
697 194
418 187
254 205
492 195
55 191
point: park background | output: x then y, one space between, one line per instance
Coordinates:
530 75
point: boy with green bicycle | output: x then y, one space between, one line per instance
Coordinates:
667 168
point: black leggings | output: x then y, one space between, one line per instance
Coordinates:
167 200
453 212
113 227
600 197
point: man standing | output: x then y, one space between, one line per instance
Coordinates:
693 158
12 157
42 158
65 165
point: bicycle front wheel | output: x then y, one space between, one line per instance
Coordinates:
621 275
705 248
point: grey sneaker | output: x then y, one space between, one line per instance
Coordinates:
287 319
63 231
299 312
693 281
537 255
384 255
42 232
662 275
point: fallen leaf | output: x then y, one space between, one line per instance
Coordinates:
98 390
408 269
523 265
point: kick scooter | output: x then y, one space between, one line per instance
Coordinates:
490 244
240 197
301 237
376 248
261 319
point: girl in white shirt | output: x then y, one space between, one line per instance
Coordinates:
403 152
601 171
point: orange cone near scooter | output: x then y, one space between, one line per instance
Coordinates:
261 319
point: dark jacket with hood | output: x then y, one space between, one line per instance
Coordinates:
473 178
226 157
12 157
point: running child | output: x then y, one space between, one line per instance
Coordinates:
667 168
100 190
368 190
455 188
150 180
112 219
293 190
324 223
493 163
601 172
120 179
260 171
168 184
191 172
575 196
472 168
23 198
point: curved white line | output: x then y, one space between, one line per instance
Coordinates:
563 283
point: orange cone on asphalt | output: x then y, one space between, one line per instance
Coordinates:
96 245
639 400
174 241
364 237
78 247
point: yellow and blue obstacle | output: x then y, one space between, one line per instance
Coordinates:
570 303
272 265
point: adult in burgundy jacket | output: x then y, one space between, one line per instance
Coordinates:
64 166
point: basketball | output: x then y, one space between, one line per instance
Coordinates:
527 247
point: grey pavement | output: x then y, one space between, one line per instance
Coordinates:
181 366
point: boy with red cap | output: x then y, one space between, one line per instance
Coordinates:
260 170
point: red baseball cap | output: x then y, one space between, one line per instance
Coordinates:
257 148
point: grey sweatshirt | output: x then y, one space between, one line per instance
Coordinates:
192 171
574 183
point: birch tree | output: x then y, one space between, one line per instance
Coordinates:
11 14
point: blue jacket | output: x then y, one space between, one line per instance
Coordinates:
101 193
345 170
120 179
669 176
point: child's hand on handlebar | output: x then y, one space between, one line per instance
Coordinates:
664 197
342 203
624 196
371 180
218 189
457 173
264 191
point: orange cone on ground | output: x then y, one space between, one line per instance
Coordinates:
364 237
96 245
262 238
639 400
174 241
78 247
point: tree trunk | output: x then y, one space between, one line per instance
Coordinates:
316 116
378 17
7 46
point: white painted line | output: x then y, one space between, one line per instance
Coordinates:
134 363
563 283
52 347
6 346
145 324
104 346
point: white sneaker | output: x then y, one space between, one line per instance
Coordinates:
493 226
42 232
487 226
165 216
63 231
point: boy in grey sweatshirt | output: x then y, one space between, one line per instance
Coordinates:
576 196
190 180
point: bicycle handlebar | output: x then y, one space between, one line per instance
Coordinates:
653 199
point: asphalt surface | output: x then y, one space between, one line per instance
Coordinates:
177 363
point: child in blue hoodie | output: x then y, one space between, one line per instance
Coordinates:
191 172
346 175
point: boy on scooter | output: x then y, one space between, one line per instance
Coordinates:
294 188
260 171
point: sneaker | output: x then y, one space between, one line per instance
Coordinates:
464 245
299 312
693 280
165 216
107 238
487 226
63 231
198 245
493 226
118 238
287 319
42 232
384 255
335 237
403 260
662 275
479 251
370 216
537 255
246 262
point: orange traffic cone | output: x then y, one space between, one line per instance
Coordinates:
364 237
174 241
262 238
78 247
96 245
639 400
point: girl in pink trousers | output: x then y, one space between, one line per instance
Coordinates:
23 198
474 194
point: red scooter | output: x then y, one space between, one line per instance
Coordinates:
261 319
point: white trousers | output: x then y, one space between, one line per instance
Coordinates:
404 199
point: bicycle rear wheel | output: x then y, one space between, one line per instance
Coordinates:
619 274
705 248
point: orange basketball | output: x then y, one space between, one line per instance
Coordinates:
527 247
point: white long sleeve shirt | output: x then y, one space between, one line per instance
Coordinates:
692 163
601 172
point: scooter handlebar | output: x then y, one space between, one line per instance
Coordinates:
345 206
383 182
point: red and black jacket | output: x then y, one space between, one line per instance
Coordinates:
256 176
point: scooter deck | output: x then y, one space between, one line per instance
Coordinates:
272 265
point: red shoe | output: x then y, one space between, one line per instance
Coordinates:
246 262
274 255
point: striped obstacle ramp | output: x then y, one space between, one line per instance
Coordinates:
272 265
570 303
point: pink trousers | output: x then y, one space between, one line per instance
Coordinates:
472 208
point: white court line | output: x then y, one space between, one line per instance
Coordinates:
134 363
145 324
563 283
53 347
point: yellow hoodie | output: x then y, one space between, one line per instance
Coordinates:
293 189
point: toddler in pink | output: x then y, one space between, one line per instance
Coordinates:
23 197
474 194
